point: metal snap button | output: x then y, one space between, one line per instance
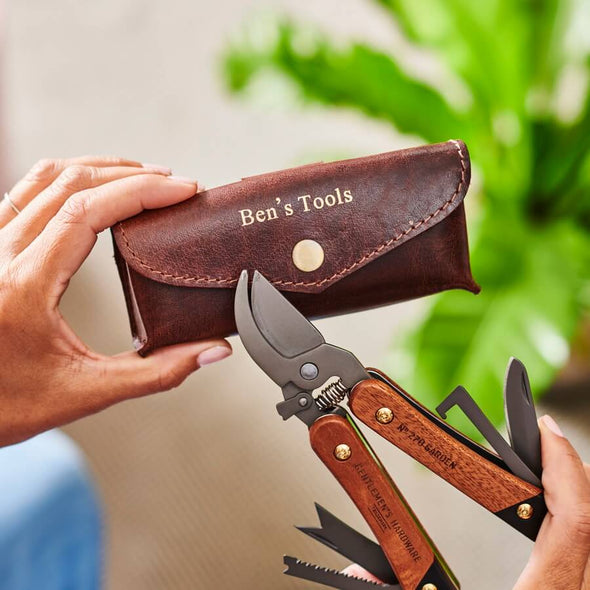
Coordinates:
308 255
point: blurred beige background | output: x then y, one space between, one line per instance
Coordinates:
202 485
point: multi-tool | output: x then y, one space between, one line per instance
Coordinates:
316 377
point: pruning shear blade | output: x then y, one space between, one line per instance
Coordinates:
291 334
289 349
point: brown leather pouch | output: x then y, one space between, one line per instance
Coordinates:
335 238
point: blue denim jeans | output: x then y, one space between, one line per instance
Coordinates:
50 517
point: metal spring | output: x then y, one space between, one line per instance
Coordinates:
331 395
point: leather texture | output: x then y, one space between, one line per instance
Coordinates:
391 227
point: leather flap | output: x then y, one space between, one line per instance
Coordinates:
356 210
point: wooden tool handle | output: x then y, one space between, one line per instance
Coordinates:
401 423
408 548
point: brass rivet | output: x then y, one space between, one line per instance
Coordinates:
308 255
429 587
342 452
524 511
384 415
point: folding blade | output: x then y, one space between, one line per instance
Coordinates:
521 418
349 543
460 397
331 578
287 330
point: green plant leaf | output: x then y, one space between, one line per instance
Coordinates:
510 53
549 19
489 45
478 40
561 185
355 76
528 308
577 196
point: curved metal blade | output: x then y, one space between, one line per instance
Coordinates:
263 354
521 418
287 330
288 348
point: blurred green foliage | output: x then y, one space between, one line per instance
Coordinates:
525 116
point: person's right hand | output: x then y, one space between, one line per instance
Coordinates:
48 376
561 556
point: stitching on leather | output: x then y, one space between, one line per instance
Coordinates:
230 282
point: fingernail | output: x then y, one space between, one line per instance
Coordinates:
213 355
183 179
552 425
157 168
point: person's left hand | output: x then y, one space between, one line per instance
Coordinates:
48 376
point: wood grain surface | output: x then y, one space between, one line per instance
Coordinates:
370 487
480 479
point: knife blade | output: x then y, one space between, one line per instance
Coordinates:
521 418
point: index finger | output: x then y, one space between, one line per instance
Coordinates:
45 171
69 237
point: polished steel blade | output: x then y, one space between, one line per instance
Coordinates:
331 578
287 330
521 418
351 544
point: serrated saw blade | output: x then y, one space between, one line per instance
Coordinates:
348 542
332 578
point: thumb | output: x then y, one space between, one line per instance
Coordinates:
562 549
129 375
567 490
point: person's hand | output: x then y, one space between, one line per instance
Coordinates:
48 376
358 572
561 556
